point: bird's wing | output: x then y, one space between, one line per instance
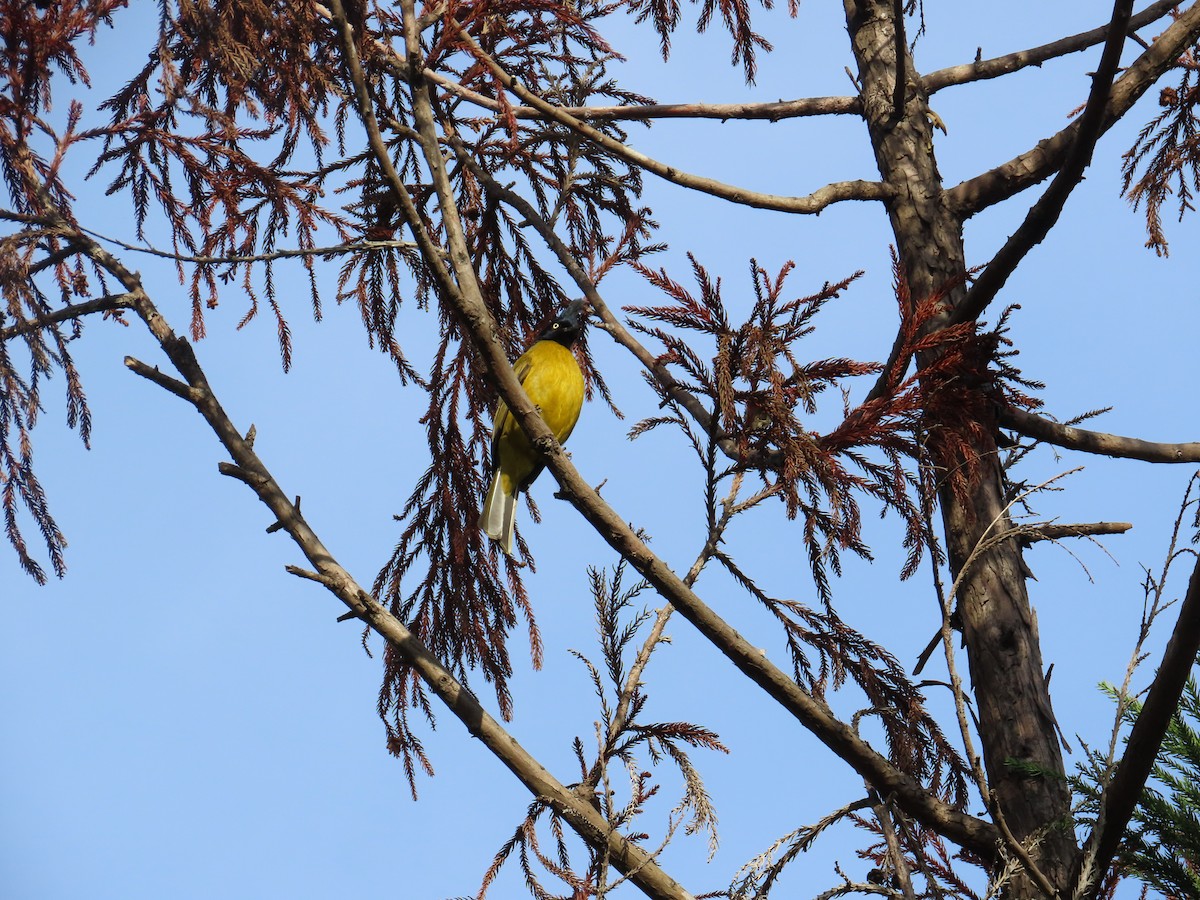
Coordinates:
502 420
522 366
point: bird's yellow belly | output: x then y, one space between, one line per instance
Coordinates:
555 385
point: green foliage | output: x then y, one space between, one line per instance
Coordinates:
1162 845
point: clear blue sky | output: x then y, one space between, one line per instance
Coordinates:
183 719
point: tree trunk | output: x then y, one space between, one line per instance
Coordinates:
1015 721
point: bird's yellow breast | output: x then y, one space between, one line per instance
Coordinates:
552 379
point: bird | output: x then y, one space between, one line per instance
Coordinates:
553 380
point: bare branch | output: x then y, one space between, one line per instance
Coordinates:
772 112
655 637
587 821
1086 529
1019 851
151 373
813 714
431 253
1036 164
250 479
1013 62
292 253
808 205
1042 216
466 298
1097 441
318 578
11 215
73 311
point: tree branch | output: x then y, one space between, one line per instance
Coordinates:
634 679
1096 441
1042 216
292 253
809 205
1051 532
1036 164
772 112
587 821
1125 789
173 385
73 311
981 70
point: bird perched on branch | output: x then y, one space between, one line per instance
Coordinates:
554 382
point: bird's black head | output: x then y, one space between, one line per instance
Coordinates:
566 328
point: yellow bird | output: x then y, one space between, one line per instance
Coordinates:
551 377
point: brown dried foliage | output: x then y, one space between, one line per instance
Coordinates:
1165 158
236 137
665 15
204 139
35 47
757 386
966 375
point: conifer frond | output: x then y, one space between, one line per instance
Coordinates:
1165 158
734 15
1162 846
758 386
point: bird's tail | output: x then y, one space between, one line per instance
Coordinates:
499 513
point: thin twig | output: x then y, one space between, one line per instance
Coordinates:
969 831
611 324
312 576
654 638
883 815
945 635
462 292
1051 532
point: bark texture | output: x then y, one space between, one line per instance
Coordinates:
1015 720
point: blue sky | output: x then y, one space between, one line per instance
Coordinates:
183 719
